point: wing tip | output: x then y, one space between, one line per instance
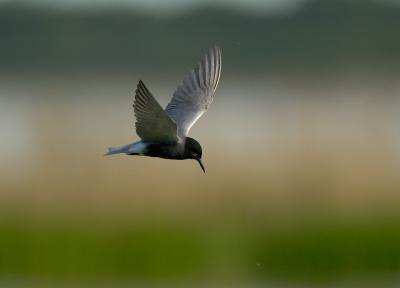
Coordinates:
216 47
215 54
216 50
140 84
141 89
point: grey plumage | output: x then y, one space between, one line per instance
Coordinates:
193 97
152 123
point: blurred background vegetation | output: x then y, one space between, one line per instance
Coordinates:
318 35
301 145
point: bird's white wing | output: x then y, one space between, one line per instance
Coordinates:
152 123
193 97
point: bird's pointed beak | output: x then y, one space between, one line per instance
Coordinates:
201 164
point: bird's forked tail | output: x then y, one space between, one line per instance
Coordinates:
117 150
112 150
131 149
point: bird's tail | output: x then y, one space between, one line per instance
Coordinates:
131 149
116 150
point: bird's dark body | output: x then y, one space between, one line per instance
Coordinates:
165 150
189 149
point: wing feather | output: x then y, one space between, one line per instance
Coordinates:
193 97
152 123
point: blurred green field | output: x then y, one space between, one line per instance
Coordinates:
167 252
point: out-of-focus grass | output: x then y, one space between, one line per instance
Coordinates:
174 252
329 252
81 252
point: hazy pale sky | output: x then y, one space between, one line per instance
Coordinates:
166 5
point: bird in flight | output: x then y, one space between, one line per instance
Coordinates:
164 132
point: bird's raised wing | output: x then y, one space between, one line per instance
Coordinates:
193 97
152 123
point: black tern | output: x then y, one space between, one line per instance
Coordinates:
164 132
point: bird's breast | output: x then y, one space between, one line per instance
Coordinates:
165 150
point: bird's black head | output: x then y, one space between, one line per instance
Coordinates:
193 151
